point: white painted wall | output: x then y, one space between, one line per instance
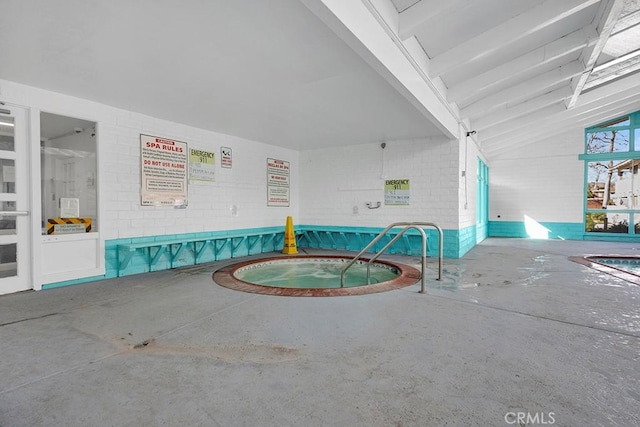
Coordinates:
337 180
544 181
244 185
120 213
210 205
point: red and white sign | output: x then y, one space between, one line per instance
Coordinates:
278 183
225 157
163 164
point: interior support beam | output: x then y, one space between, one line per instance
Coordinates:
515 94
610 13
624 65
362 28
627 21
621 89
591 109
568 45
523 25
514 127
506 113
533 134
418 14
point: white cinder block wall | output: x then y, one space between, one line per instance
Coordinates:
544 181
209 209
210 205
338 181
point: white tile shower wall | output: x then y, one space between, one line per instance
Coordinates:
210 206
339 181
543 181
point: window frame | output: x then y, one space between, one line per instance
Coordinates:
69 169
631 154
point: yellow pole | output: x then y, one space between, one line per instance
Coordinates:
290 246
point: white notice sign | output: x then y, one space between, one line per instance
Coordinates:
277 183
163 172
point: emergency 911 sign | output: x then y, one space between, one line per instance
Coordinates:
163 172
396 192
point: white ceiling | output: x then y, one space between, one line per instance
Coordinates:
264 70
514 70
522 70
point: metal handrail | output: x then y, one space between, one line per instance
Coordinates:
407 226
399 235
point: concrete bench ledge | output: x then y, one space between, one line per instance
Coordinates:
173 248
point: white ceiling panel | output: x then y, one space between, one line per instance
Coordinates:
504 65
269 71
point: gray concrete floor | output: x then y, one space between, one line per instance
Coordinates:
514 327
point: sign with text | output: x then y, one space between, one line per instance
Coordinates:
202 166
277 183
225 157
163 164
396 192
68 225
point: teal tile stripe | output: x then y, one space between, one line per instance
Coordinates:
72 282
242 242
356 238
553 230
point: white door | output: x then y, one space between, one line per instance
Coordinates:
15 240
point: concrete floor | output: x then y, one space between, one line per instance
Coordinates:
515 329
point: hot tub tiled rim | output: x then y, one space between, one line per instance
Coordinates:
225 277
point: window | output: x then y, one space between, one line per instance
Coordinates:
612 184
68 165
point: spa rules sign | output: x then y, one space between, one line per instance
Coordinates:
277 183
163 172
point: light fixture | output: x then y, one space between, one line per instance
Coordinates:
471 132
6 124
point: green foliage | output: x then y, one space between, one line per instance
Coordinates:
593 219
621 227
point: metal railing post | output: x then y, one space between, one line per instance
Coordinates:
407 225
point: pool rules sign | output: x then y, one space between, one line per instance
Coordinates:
163 172
278 182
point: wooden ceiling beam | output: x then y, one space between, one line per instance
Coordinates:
535 19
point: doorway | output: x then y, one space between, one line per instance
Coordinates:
482 202
15 238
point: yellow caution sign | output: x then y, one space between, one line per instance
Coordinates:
290 246
68 225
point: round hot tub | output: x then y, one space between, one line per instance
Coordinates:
308 275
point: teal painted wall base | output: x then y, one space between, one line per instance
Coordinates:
124 257
612 237
72 282
141 255
482 231
554 230
548 230
356 238
467 239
